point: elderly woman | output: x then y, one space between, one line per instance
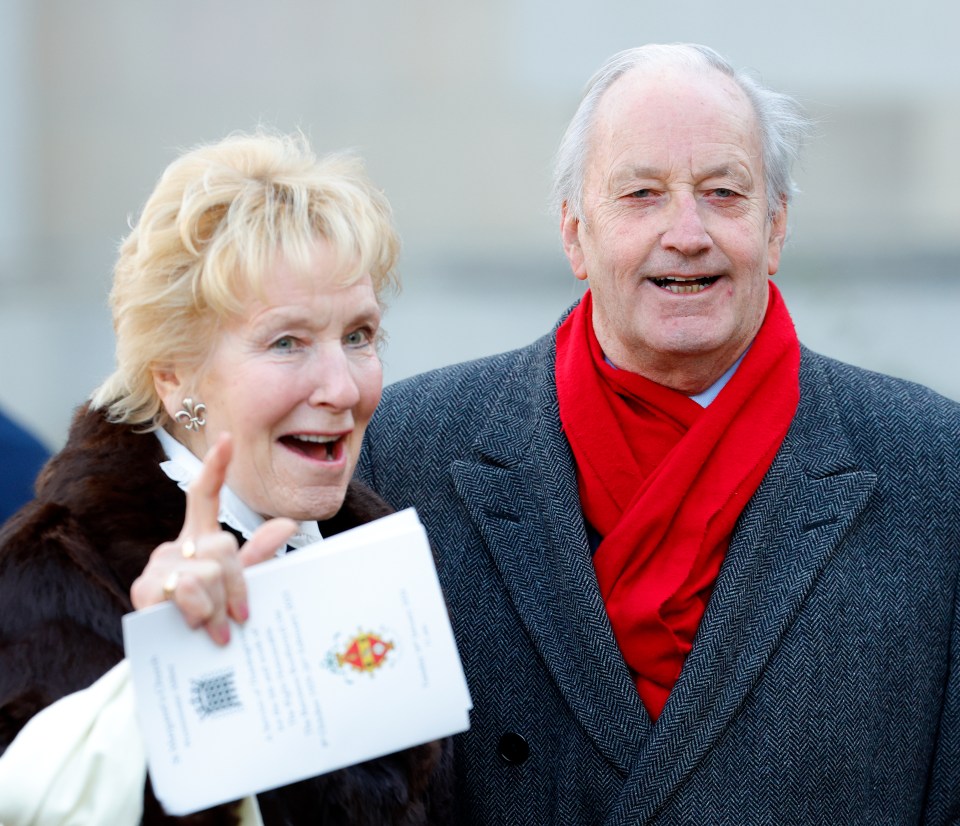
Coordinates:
246 303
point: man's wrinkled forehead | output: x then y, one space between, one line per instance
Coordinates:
639 90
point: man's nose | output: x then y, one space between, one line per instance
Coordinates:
685 231
334 384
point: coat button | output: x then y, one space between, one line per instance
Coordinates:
513 748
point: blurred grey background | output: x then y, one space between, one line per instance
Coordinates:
457 109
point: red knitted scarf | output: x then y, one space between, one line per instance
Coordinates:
663 481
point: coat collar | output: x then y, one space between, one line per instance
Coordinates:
520 488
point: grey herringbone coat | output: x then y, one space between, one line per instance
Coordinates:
824 682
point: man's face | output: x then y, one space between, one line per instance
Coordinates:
675 242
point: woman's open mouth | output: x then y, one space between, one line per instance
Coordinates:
685 286
318 448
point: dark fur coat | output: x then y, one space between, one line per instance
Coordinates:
67 561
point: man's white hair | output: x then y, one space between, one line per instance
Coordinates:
782 122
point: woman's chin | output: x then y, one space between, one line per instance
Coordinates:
312 505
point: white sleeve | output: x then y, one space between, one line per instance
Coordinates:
81 761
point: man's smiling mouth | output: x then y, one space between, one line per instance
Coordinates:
684 286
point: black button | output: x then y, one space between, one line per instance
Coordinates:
513 748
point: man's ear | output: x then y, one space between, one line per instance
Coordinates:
778 234
570 233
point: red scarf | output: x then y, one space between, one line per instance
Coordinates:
663 481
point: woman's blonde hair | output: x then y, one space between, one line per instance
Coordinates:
208 238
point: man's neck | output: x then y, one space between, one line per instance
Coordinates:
708 395
694 376
704 397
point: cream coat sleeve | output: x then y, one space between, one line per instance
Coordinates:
82 761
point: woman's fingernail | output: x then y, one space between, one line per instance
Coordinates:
243 612
222 633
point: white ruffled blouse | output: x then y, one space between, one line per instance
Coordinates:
183 467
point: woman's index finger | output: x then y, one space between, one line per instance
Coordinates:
203 493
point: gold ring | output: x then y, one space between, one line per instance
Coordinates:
170 584
189 549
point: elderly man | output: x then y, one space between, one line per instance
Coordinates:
698 573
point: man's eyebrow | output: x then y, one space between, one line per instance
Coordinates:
632 172
717 172
735 171
635 172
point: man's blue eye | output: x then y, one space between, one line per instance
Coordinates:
285 343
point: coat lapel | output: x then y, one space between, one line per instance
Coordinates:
520 489
786 535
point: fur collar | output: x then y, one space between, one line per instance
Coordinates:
103 477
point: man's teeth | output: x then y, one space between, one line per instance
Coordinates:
683 286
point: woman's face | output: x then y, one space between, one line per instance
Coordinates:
295 382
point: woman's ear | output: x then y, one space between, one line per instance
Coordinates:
169 387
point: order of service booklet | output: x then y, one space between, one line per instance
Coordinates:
348 655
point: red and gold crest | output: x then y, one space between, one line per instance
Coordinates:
365 652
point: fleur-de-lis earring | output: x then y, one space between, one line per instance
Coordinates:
192 417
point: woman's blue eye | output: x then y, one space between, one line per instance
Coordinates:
285 343
357 338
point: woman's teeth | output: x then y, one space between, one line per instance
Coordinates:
329 442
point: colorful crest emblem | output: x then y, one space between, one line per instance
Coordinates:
363 653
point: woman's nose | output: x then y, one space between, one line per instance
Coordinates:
685 231
334 384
